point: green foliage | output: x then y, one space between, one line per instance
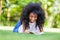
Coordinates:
56 23
16 7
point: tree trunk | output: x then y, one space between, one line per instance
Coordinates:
8 14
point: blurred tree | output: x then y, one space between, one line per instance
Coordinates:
11 10
0 7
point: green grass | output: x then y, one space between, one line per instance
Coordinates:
8 35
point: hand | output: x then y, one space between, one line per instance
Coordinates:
38 33
27 32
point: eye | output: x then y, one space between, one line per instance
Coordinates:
35 17
31 16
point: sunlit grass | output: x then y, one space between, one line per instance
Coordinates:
8 35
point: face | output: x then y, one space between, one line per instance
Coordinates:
32 17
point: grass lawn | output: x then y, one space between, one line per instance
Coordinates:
8 35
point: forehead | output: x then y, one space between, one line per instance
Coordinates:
33 14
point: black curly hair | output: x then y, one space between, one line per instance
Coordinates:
36 8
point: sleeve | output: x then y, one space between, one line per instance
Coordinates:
17 26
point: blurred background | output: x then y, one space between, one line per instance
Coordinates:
10 11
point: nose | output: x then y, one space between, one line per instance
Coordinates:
33 18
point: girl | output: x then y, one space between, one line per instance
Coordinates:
32 19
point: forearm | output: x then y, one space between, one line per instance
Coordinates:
41 29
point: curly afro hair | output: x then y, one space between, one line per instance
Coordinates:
36 8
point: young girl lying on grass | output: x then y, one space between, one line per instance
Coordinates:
32 19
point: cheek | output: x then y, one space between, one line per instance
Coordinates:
30 18
36 18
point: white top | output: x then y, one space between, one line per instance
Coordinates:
32 28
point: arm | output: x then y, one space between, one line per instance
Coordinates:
24 29
41 31
41 28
